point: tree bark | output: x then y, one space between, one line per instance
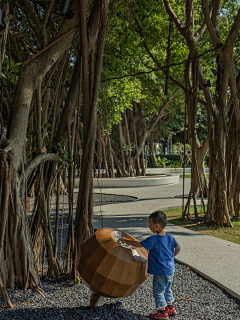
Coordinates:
19 265
155 163
83 221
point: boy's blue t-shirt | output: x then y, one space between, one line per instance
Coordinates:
160 254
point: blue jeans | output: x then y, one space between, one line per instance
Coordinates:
162 290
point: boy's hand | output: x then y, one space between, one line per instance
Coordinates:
132 243
123 240
177 250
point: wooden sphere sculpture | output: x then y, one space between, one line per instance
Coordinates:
109 268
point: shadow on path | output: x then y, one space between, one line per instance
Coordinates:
137 226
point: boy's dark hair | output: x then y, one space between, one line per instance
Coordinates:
159 217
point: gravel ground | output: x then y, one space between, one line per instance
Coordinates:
195 297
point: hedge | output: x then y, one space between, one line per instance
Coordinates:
172 157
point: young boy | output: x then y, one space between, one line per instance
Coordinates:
162 248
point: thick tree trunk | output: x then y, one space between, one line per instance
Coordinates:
110 157
218 200
122 143
222 183
17 261
153 153
201 183
83 221
198 176
105 160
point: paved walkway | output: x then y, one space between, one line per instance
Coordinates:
215 259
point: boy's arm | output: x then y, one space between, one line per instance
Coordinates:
131 242
177 250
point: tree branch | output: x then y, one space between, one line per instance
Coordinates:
206 91
168 55
76 81
205 146
233 33
43 157
188 14
211 29
203 27
47 14
16 48
37 114
166 103
202 102
8 148
216 15
174 17
3 41
49 46
154 59
21 38
30 75
32 27
33 13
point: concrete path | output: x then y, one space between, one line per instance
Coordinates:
215 259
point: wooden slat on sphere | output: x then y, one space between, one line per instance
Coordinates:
110 269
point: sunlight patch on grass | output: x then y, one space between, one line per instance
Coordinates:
187 176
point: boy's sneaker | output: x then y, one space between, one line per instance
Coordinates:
158 315
170 311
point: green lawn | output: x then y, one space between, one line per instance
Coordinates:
189 176
230 234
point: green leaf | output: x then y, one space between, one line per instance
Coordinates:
11 63
3 75
32 133
14 79
46 140
66 163
77 280
47 125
